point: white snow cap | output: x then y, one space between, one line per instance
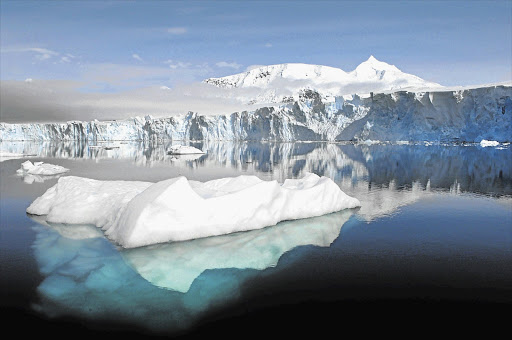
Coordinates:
135 214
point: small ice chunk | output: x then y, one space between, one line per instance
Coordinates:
40 168
484 143
183 150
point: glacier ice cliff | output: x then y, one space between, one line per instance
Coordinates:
442 115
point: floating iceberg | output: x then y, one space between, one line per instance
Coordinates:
183 150
40 168
485 143
136 214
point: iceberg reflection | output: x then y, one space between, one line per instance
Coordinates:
87 277
176 265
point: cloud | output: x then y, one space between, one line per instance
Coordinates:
62 100
41 53
137 57
268 45
65 59
177 64
226 64
177 30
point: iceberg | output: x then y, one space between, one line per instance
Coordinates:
135 214
40 168
484 143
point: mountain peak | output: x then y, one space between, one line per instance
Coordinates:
372 59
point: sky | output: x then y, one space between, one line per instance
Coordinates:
112 47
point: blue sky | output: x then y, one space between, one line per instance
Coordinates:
116 45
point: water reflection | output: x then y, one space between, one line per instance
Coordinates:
464 168
87 277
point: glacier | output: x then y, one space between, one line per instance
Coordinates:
135 214
471 115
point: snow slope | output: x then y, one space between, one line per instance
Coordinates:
135 214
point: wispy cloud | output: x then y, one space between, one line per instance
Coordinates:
137 57
177 30
268 45
40 53
226 64
173 64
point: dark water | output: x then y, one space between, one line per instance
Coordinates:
433 239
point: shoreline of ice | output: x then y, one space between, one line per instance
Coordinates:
135 214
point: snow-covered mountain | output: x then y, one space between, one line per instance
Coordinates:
282 82
449 115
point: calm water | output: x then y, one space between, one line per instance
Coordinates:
434 233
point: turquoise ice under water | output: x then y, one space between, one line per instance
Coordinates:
435 222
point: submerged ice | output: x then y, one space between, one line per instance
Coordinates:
136 214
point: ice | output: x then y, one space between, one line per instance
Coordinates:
183 150
484 143
176 265
40 168
136 214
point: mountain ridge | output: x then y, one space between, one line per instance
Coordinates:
278 81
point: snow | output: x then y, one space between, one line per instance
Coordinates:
40 168
484 143
135 214
183 150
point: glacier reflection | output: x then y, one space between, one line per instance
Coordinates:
86 276
471 168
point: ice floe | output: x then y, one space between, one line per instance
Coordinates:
484 143
40 168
